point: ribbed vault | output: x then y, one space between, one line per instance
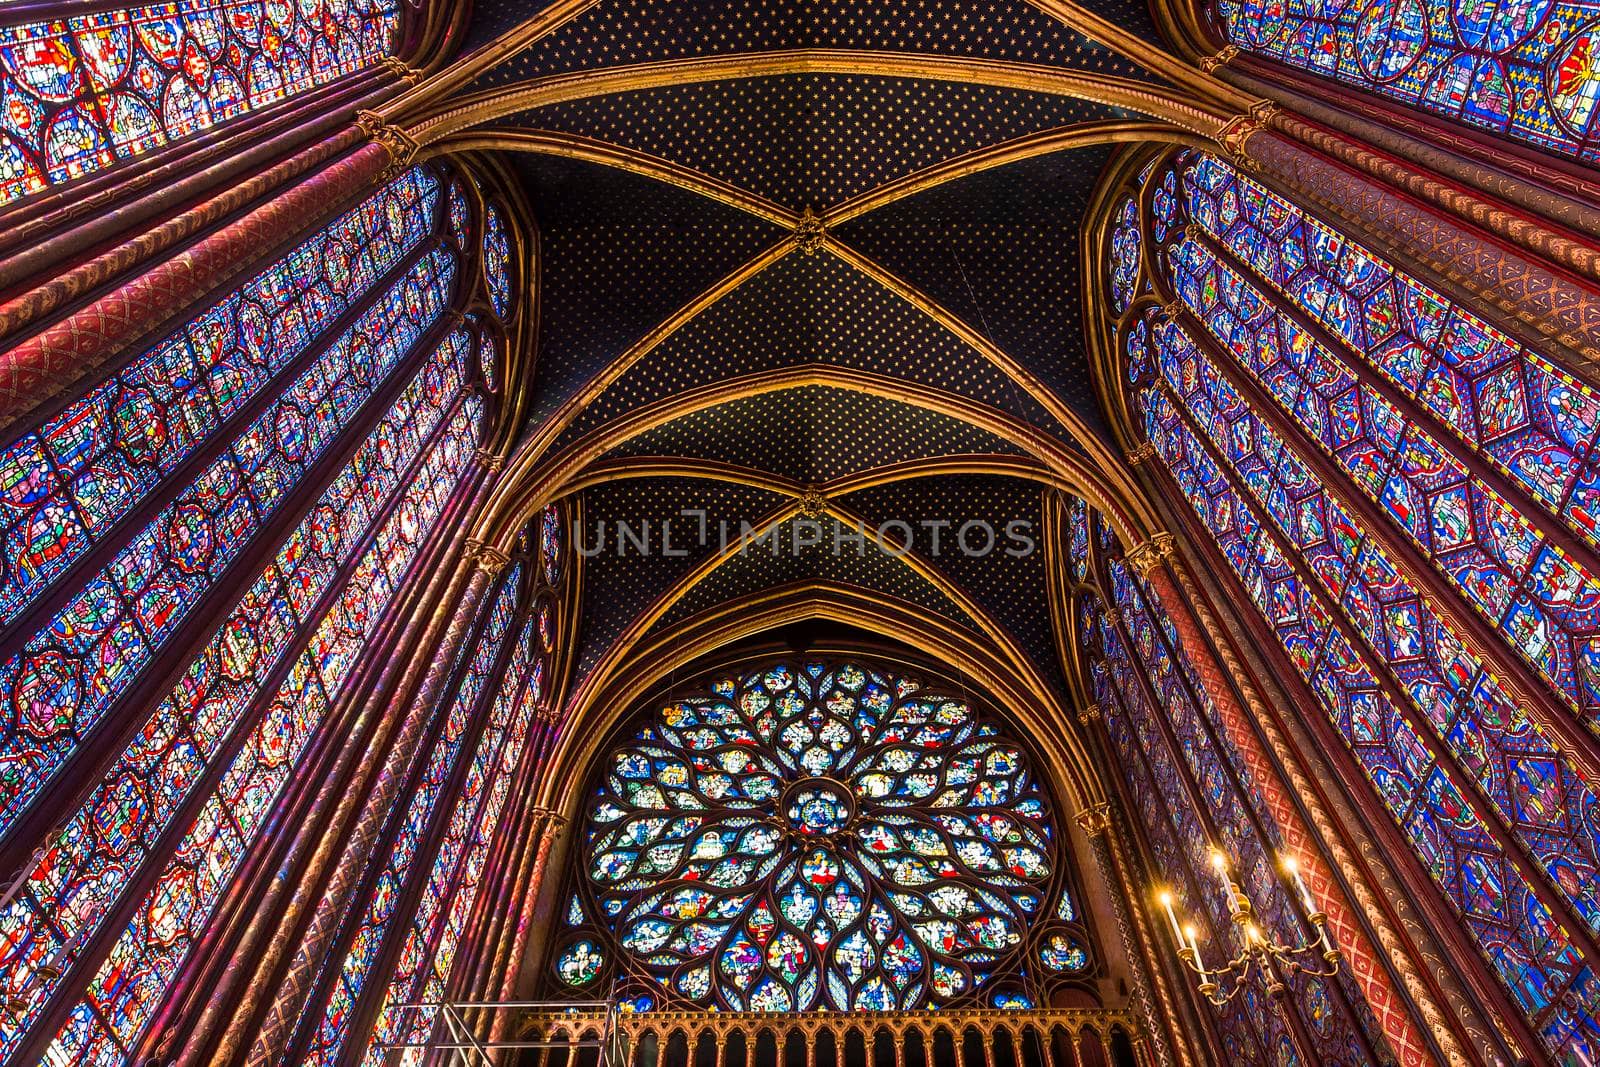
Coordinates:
804 268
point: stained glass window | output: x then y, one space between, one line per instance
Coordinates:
369 524
453 870
1078 538
460 215
1527 68
430 939
1489 399
497 260
1325 415
64 487
813 835
1200 751
1482 543
1124 252
1428 799
254 420
489 362
59 684
402 849
550 545
89 90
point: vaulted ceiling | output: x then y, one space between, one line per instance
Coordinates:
884 370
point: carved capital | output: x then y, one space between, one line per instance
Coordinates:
809 232
1148 555
1142 454
401 69
1172 308
1095 819
1221 59
813 504
1112 616
1264 111
1235 136
491 461
400 145
488 558
1088 714
550 818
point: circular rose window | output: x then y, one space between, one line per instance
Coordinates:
816 835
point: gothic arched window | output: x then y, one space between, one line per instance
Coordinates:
1403 492
85 91
1528 69
819 834
299 441
1191 792
509 736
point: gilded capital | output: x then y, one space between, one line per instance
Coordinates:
488 558
1095 819
1142 454
401 69
1264 111
491 461
400 145
1221 59
550 818
1088 713
1235 136
1148 555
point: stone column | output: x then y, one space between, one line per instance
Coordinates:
434 662
1155 561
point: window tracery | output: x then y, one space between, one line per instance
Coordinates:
297 441
819 835
433 932
1528 69
86 91
1290 347
1185 780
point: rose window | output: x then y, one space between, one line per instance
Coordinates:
817 836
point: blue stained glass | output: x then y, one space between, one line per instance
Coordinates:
1525 69
397 860
460 215
434 932
1166 823
74 882
1203 746
497 260
817 835
1523 944
1078 538
89 655
1126 246
90 90
64 487
128 987
1466 706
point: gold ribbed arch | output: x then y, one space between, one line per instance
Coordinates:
633 668
533 481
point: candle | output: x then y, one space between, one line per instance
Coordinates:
1291 865
1219 863
1172 917
1193 941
